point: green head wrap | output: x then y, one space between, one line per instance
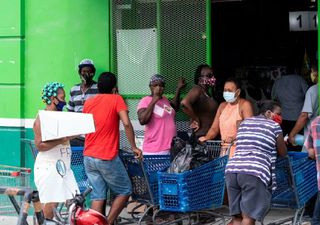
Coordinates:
50 89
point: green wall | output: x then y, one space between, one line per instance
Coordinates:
59 34
43 41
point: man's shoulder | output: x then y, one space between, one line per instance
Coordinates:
76 87
311 92
296 77
94 98
94 84
196 87
196 90
313 88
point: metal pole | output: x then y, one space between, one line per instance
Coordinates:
208 33
158 36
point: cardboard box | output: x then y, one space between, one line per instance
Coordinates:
55 125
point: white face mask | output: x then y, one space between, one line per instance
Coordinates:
229 96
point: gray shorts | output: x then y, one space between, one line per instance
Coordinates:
247 195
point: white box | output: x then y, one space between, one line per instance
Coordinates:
56 124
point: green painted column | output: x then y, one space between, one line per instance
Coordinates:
40 42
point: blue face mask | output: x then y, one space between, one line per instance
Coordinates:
60 105
229 96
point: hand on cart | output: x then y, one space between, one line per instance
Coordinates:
137 153
195 125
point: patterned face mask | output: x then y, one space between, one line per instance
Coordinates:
207 81
86 78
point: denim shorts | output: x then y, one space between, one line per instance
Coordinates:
247 194
105 174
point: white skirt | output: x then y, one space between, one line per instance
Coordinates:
51 186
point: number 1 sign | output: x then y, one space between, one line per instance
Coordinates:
303 20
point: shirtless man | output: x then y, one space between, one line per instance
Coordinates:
198 103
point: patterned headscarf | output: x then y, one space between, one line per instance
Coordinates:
50 89
157 78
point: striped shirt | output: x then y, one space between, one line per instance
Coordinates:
313 141
77 97
255 152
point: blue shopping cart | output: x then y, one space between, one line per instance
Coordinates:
185 196
143 176
296 177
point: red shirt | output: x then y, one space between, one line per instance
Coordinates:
104 143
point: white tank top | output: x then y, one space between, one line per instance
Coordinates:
61 151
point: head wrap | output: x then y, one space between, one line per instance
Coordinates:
50 89
157 78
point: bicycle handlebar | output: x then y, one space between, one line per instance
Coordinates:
86 192
79 199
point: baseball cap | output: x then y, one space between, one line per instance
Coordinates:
86 62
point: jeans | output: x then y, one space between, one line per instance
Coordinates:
105 174
316 212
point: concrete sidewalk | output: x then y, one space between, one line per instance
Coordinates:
273 215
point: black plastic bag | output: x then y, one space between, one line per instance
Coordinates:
185 156
177 144
182 160
200 155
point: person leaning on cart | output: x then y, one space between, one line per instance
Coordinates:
51 186
250 173
229 115
102 163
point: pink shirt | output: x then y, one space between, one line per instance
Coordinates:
161 128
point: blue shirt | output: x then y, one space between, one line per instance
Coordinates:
255 152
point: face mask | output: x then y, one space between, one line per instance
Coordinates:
313 76
207 81
86 78
60 105
229 96
277 118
